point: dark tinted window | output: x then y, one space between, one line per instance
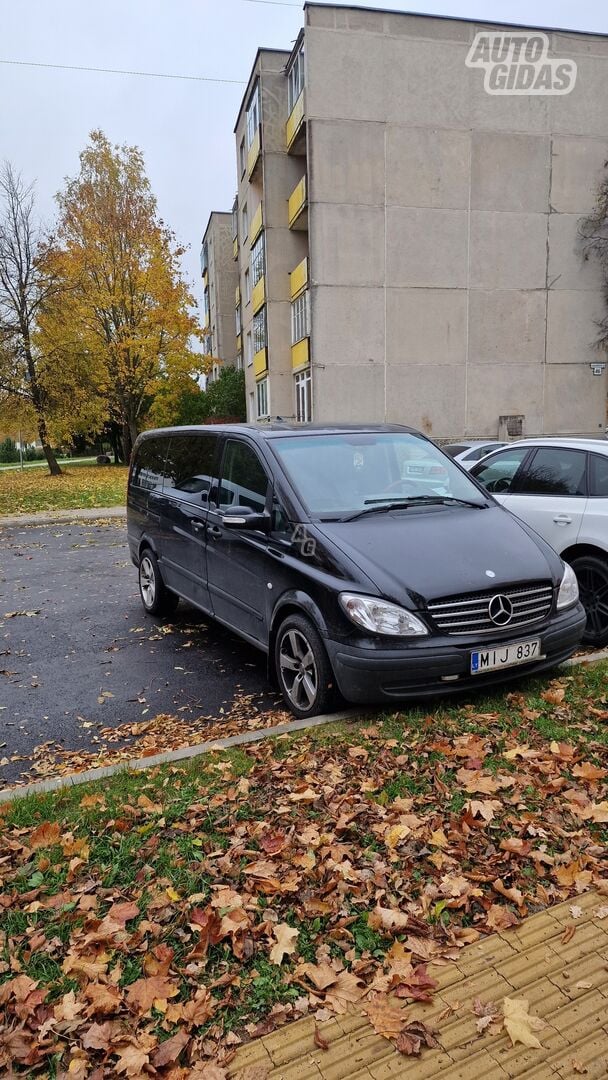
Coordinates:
598 475
554 471
456 448
190 465
148 467
478 452
498 474
244 481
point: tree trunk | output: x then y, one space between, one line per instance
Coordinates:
129 435
52 462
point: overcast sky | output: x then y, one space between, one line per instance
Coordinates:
184 128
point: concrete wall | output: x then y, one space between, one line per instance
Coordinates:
447 284
223 280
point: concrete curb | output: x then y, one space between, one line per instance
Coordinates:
55 783
55 517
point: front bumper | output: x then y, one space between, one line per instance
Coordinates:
430 667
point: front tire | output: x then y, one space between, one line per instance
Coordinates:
155 596
592 575
303 669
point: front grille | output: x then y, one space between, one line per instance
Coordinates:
470 613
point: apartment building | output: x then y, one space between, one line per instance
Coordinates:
220 280
407 243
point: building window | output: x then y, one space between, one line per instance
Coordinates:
247 286
238 320
249 348
261 390
259 330
242 156
257 260
244 223
253 115
239 361
252 405
235 218
295 79
206 307
204 260
303 384
299 318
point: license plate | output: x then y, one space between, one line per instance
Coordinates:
503 656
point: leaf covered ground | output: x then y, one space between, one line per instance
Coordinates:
79 486
151 924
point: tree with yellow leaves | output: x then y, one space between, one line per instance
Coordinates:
124 310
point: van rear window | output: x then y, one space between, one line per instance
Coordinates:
149 466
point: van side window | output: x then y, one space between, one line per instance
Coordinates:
244 481
148 469
190 465
599 476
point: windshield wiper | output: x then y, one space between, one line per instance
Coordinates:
381 506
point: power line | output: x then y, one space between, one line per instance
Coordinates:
120 71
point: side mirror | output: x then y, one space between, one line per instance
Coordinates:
243 517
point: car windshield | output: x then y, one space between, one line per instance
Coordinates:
341 474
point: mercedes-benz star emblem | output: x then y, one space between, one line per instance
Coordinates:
500 610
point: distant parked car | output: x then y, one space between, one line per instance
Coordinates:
468 452
560 488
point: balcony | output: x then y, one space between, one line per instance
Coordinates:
258 296
253 154
235 248
300 354
295 128
298 206
298 279
260 362
256 225
237 296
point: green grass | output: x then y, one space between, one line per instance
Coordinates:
206 825
79 486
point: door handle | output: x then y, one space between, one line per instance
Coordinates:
214 531
197 526
562 519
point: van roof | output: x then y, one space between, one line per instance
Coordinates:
275 429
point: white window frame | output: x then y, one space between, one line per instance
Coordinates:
251 416
303 394
242 157
247 279
253 114
244 223
239 360
262 399
295 78
300 320
249 348
258 260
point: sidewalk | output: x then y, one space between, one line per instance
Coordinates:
55 517
560 972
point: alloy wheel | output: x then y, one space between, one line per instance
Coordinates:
147 581
593 589
298 669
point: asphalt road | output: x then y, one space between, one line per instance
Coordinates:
87 656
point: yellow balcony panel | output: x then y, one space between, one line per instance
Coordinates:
253 154
260 363
239 343
256 225
237 296
258 295
297 202
295 121
298 279
300 353
235 247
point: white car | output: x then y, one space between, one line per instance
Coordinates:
560 488
468 452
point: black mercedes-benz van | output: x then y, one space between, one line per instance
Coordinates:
361 558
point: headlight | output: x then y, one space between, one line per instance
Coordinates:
568 590
381 617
